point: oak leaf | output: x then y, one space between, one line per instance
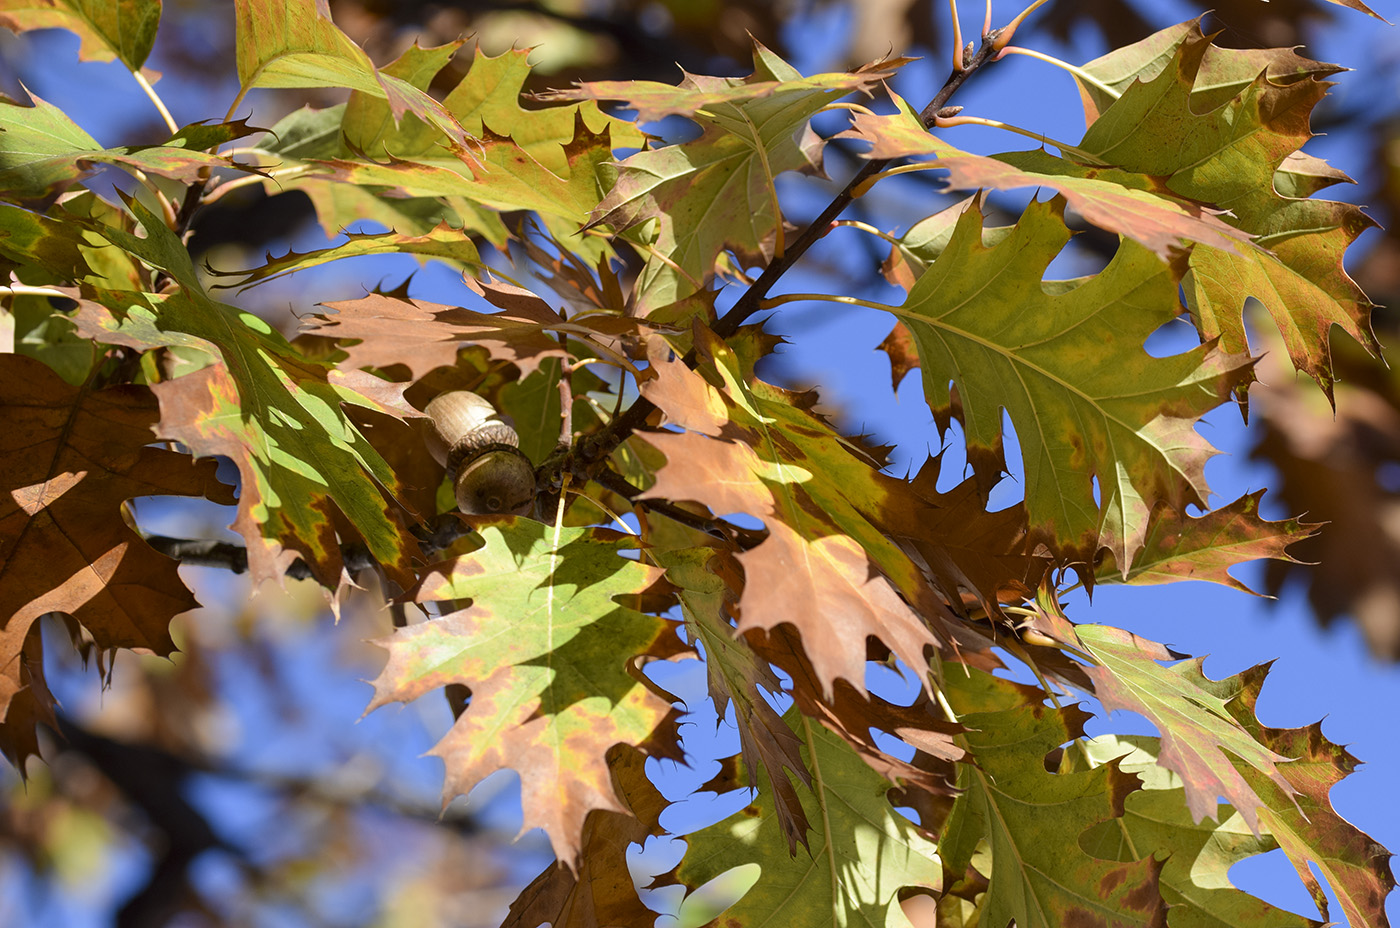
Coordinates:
74 456
106 29
715 193
277 415
1064 361
1235 142
1191 712
1198 854
294 43
602 892
1205 547
544 643
1158 219
42 151
1301 818
863 852
827 566
1032 819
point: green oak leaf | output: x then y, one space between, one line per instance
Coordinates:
442 242
862 852
738 677
1031 819
294 43
107 29
1232 150
714 193
544 640
43 151
1064 360
549 160
1195 877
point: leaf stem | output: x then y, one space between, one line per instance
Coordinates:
166 207
828 298
237 99
1080 73
150 92
867 227
958 64
1004 36
22 290
846 105
1065 148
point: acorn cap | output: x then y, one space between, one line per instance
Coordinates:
496 480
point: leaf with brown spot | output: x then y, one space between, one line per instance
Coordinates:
72 457
1205 547
42 151
545 644
1032 819
1240 116
1198 856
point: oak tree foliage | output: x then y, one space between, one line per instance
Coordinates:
684 505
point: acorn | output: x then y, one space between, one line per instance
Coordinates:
481 452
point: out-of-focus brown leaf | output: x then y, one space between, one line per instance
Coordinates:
72 457
1333 468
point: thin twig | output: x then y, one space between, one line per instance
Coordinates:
745 538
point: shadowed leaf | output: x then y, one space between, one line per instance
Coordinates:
863 852
1032 819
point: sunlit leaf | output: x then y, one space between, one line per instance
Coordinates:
545 644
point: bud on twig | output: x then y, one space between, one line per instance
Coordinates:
480 450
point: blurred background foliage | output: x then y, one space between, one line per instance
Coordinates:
229 787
